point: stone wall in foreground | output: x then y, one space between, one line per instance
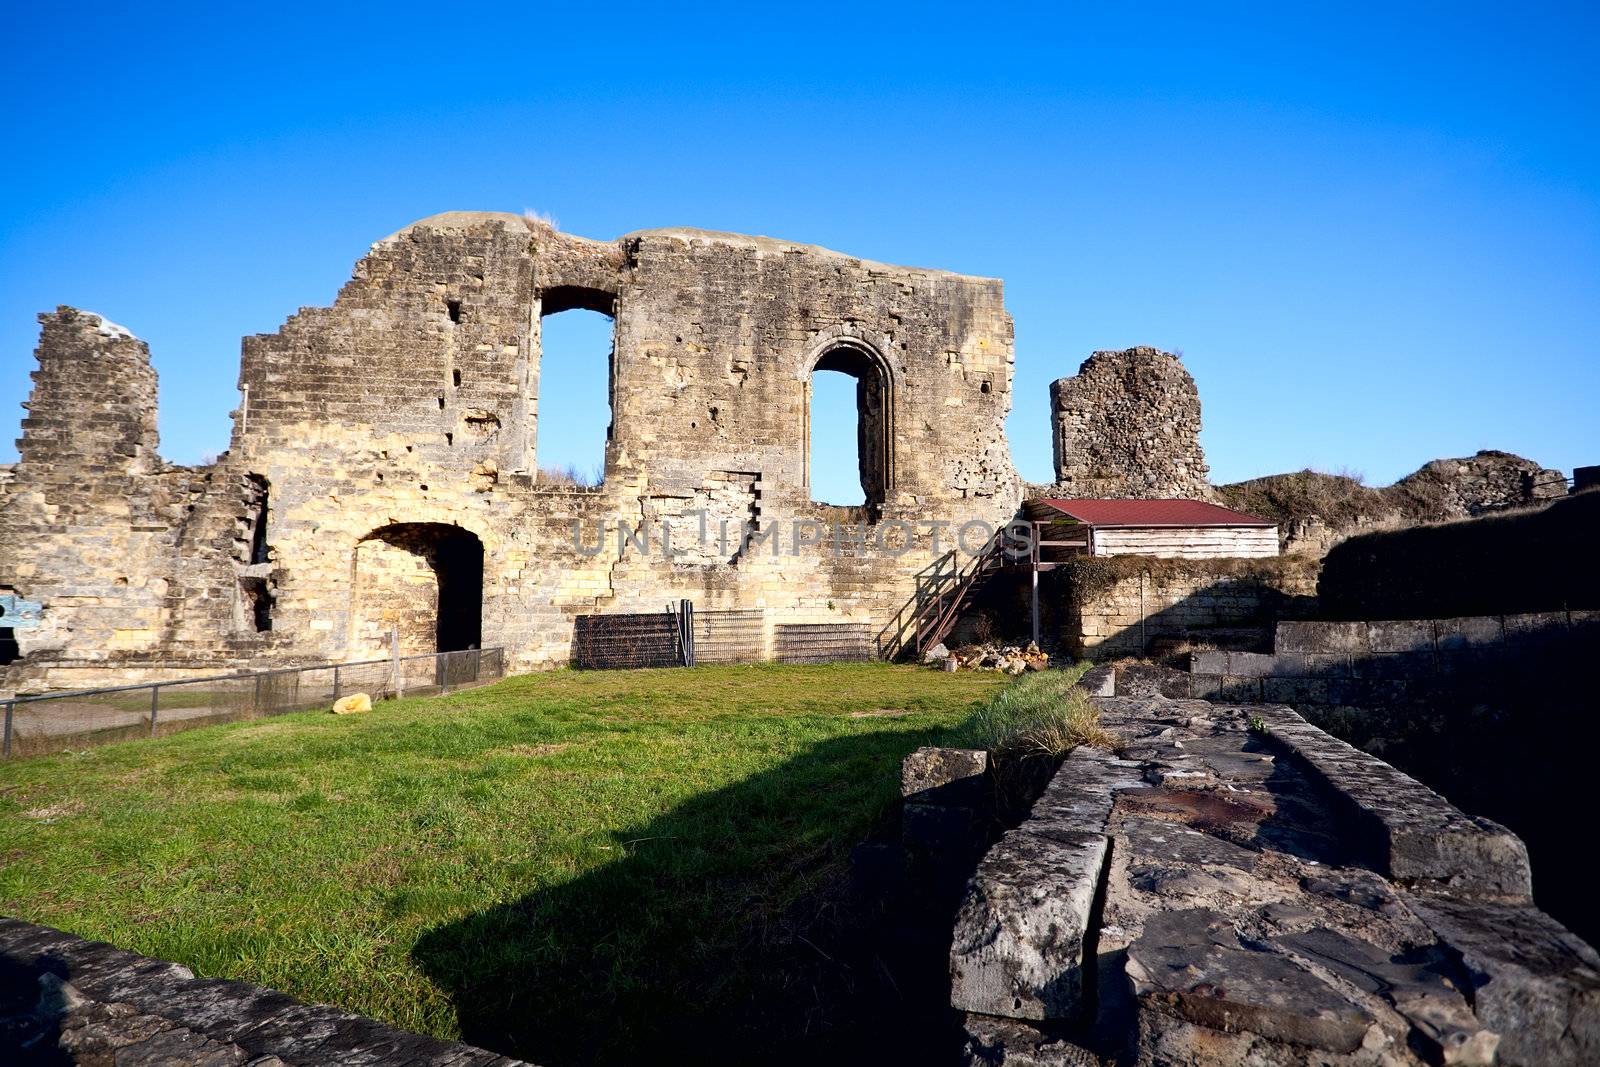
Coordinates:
67 1000
1237 886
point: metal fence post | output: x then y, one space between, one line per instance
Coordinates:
396 678
336 681
155 703
255 701
10 705
444 673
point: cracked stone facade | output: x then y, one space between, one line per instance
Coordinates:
397 427
1128 425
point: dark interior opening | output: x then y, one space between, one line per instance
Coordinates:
458 562
456 558
559 298
454 308
258 602
9 652
258 520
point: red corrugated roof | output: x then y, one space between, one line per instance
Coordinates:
1153 513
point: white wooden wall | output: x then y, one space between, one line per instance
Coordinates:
1188 542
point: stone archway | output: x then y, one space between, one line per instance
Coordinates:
874 403
423 580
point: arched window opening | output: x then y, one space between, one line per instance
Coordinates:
423 580
576 380
848 438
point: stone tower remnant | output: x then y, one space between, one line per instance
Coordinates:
1128 425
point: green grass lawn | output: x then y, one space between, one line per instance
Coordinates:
573 866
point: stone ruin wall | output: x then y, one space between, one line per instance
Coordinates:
118 543
411 405
1128 425
409 409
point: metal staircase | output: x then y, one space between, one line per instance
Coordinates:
941 602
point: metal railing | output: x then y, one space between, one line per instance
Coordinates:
77 718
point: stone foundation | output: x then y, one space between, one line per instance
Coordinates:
67 1000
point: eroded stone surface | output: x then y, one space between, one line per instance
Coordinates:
1018 945
1128 425
1192 964
1254 909
62 997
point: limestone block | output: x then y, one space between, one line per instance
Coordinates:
1452 634
1348 638
1190 965
1533 982
352 704
1018 944
1411 832
931 768
1401 636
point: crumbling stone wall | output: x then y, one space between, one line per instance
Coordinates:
414 399
1316 511
1236 886
1128 425
118 544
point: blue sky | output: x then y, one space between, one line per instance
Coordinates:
1373 232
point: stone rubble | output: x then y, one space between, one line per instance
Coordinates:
1005 659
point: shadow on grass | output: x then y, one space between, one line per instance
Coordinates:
727 932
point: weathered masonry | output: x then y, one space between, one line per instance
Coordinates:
382 474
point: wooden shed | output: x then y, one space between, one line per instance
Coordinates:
1187 529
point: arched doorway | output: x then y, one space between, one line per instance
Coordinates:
423 580
828 421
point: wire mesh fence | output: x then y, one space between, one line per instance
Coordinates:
72 719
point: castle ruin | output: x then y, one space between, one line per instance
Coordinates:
381 493
382 475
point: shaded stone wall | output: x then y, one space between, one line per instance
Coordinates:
67 1000
414 399
1128 425
1126 608
1516 562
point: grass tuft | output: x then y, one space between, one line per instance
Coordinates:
1043 714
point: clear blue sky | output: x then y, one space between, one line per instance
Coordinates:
1374 233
